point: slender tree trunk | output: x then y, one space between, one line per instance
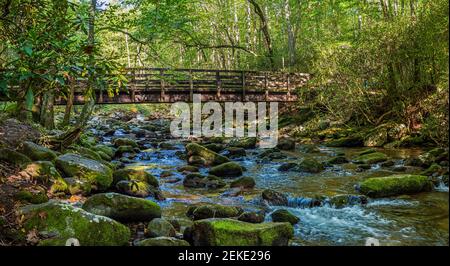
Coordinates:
265 30
69 103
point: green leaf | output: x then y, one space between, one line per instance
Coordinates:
29 99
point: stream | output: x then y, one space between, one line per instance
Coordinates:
420 219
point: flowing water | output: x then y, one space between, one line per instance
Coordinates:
420 219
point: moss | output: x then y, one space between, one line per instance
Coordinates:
210 157
228 232
214 147
134 175
245 182
274 197
395 185
230 169
125 149
309 149
74 165
246 143
213 211
31 197
160 227
163 242
310 165
188 168
337 160
138 189
122 208
340 201
37 152
195 180
78 186
104 156
284 216
368 151
88 153
65 221
352 141
14 157
125 142
433 169
110 151
371 158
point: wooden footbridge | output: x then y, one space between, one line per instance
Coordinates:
161 85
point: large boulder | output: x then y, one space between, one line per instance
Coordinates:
129 174
212 211
60 221
282 215
163 241
160 227
210 157
229 232
234 152
344 200
45 173
122 208
230 169
110 151
244 182
371 158
286 144
246 143
14 157
379 187
37 152
74 165
124 142
195 180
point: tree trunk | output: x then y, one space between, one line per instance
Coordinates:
265 30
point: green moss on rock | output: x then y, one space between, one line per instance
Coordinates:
371 158
125 142
210 157
160 227
282 215
14 157
246 143
244 182
110 151
230 169
122 208
195 180
74 165
37 152
395 185
228 232
65 221
213 211
163 242
310 165
134 175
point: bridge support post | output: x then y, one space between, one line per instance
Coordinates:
243 86
163 85
191 87
219 84
266 85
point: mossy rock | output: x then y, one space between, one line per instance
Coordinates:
274 197
210 157
45 173
246 143
230 169
104 156
37 152
63 221
163 242
31 197
252 217
138 189
229 232
395 185
134 175
74 165
282 215
198 212
159 227
371 158
352 141
88 153
434 169
195 180
125 142
310 165
110 151
122 208
338 160
286 144
215 147
341 201
368 151
244 182
77 186
235 152
188 168
309 149
14 157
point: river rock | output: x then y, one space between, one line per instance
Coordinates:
287 167
128 174
45 172
125 142
34 197
122 208
286 144
14 157
212 211
63 221
246 143
338 160
160 227
352 141
195 180
395 185
74 165
244 182
229 232
282 215
110 151
37 152
310 165
371 158
215 147
341 201
234 152
230 169
163 242
209 157
188 168
78 186
274 197
309 148
138 189
252 217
